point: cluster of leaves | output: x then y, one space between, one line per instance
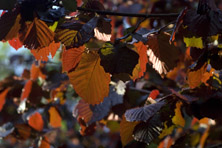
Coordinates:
155 85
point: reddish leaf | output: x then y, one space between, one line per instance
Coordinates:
71 57
26 90
45 143
140 68
2 97
43 53
126 131
36 121
54 118
36 72
83 111
86 130
154 93
15 43
89 79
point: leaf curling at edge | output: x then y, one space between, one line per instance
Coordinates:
118 58
89 79
162 55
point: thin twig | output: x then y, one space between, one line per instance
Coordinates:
104 12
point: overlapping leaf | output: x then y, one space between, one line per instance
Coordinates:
89 79
37 35
143 113
36 121
9 25
71 57
162 55
118 58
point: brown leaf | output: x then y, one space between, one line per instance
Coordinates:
55 119
45 143
89 79
37 35
36 121
2 97
126 131
161 53
71 57
83 111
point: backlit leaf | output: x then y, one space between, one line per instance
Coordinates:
178 118
162 55
126 131
15 43
71 57
193 42
75 33
55 119
43 53
36 121
83 111
38 35
89 79
140 68
3 97
26 90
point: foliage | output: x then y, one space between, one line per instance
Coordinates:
152 80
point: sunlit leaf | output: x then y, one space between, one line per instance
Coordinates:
36 121
140 68
71 57
3 97
162 55
89 79
126 130
178 118
38 35
43 53
26 90
15 43
54 118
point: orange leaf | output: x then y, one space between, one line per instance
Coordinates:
83 111
201 75
36 72
86 130
43 53
45 143
2 98
154 93
126 130
26 90
55 119
37 35
71 57
15 43
140 68
89 79
36 121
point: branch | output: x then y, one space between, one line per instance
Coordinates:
103 12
